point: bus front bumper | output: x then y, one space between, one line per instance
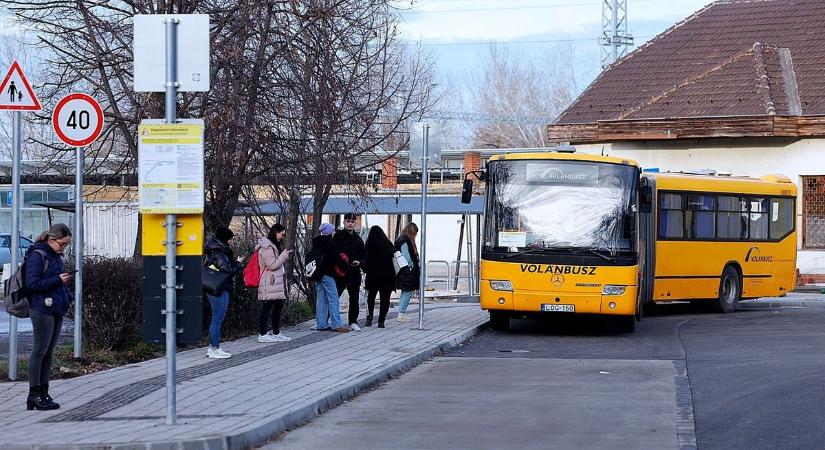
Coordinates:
577 302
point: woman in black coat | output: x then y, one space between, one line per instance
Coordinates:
380 273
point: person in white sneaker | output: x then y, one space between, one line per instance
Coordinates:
408 277
219 254
272 287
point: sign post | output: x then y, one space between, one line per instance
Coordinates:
78 120
425 148
16 95
162 171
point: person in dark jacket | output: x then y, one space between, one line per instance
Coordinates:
219 254
327 308
349 243
49 299
380 277
408 277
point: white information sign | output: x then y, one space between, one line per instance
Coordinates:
512 239
170 166
192 52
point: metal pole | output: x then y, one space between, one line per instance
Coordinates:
423 234
478 254
171 231
16 198
471 278
614 39
78 253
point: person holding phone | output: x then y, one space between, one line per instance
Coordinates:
219 254
272 288
45 281
350 244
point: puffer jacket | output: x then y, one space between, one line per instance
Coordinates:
46 285
219 254
273 276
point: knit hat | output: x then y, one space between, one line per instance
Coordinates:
326 229
224 234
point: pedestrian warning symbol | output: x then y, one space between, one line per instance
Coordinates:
15 91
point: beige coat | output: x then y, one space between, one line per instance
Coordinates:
273 281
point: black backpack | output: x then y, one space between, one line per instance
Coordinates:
314 264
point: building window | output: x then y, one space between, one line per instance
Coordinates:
813 211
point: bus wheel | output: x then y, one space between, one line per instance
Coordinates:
730 290
626 324
499 321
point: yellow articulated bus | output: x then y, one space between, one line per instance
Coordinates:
589 234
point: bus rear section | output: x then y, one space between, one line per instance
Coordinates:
560 237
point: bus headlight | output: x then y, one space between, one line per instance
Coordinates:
610 289
501 285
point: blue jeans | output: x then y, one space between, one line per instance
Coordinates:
404 301
219 305
326 304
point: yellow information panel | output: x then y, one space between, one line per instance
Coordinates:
190 234
170 166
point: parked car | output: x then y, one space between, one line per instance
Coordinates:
5 249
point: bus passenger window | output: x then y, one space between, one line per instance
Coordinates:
732 218
700 217
671 216
759 218
782 217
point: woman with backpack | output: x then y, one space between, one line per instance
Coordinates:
380 277
272 286
49 299
408 277
219 255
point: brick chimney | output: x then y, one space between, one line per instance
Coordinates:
472 161
389 173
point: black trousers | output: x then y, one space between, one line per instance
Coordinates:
274 307
46 333
353 287
383 307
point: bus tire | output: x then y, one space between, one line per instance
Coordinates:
499 320
730 290
626 324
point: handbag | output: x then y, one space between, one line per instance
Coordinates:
399 261
213 279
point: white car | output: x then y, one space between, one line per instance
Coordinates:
5 248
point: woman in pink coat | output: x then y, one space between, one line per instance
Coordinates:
272 288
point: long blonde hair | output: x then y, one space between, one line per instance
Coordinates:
410 230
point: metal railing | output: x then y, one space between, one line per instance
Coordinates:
433 277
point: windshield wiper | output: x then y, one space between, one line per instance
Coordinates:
528 251
600 255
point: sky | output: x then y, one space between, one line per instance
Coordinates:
457 32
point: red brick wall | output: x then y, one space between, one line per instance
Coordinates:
389 173
813 211
472 161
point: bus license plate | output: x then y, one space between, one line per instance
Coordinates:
558 308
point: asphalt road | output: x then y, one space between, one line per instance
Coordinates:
754 380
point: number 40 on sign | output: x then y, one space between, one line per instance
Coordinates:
77 120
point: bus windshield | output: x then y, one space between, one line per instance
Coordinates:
561 205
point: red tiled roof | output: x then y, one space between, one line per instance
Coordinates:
732 58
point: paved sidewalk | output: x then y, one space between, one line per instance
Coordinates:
792 300
231 403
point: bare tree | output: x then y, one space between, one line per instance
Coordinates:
522 96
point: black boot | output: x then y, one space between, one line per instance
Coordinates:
35 401
368 322
44 394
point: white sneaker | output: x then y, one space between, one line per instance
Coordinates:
223 352
267 338
402 317
354 327
281 338
216 353
314 326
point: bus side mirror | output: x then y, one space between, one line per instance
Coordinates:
646 199
467 191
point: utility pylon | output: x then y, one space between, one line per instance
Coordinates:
614 40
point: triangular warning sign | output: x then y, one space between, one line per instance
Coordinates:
16 93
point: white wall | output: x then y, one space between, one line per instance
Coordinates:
744 157
110 229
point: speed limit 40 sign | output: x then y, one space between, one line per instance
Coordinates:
77 120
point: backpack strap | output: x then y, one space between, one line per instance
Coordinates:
45 260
